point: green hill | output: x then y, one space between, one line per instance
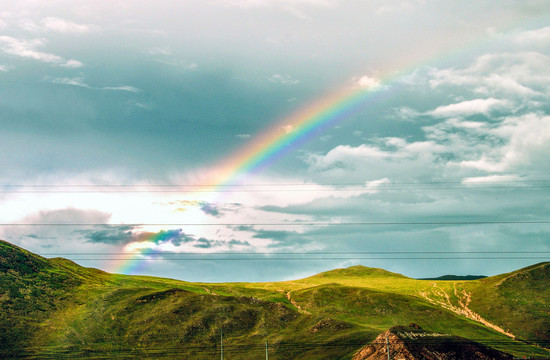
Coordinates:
518 301
357 271
54 308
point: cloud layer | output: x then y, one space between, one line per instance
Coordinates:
117 119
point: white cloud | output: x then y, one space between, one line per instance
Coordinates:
123 88
275 3
55 24
28 25
346 157
539 36
39 237
395 7
75 81
78 81
505 83
406 113
454 148
525 144
464 124
394 159
501 74
159 51
28 49
282 79
373 185
295 8
469 107
349 157
395 142
243 136
64 26
367 82
3 68
67 215
73 64
491 179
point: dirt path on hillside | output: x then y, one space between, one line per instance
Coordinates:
293 302
440 297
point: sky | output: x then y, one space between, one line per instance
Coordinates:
264 140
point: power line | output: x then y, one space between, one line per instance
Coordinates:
274 184
241 190
318 258
309 344
308 253
358 223
268 187
432 340
328 255
270 190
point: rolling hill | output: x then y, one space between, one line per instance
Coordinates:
54 308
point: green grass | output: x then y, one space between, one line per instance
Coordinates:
58 309
518 300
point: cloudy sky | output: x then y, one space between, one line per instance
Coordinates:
127 128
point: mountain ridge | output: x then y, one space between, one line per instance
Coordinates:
455 277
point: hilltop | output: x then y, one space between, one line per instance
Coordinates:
357 271
56 308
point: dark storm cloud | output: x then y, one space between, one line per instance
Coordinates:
238 243
128 234
276 235
67 216
203 243
112 235
210 209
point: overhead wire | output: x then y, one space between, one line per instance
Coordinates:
294 223
269 187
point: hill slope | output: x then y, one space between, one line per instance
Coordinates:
31 289
519 301
56 308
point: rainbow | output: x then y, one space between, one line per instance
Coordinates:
291 133
130 263
280 139
262 151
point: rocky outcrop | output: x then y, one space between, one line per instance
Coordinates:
412 343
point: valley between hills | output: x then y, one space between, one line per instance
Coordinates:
54 308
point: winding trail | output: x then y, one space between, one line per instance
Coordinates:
440 297
293 302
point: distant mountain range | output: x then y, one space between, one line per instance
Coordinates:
54 308
457 277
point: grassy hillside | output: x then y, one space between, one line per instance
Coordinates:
56 308
519 301
31 289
